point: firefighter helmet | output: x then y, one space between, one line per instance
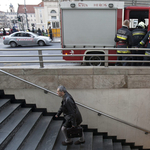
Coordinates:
141 24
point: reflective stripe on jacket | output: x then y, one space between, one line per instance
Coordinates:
124 51
124 39
137 35
144 41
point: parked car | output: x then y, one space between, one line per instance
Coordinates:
25 39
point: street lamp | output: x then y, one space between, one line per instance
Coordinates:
26 14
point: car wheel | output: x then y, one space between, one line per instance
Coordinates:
13 44
95 58
41 43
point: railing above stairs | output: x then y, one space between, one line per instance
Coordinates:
46 91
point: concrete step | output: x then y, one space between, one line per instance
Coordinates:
86 146
36 135
108 145
98 142
117 146
73 147
126 148
7 111
51 135
88 141
58 145
3 102
24 130
10 128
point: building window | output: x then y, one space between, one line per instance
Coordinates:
55 24
31 15
41 21
41 15
53 17
53 11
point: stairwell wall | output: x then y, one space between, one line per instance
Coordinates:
121 92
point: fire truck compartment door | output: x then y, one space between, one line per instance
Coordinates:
89 27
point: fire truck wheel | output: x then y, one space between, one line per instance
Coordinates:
95 58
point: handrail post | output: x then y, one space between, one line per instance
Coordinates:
41 59
106 58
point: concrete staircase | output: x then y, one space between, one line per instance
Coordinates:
25 127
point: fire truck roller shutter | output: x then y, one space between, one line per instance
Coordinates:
89 27
94 58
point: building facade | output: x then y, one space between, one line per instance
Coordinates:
2 19
39 16
45 14
27 16
51 8
11 17
8 19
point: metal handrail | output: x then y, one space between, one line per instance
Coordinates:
78 49
74 55
72 61
84 106
106 55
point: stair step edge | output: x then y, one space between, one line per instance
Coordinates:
36 134
7 112
24 131
9 129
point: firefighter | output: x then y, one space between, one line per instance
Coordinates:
147 53
138 34
124 39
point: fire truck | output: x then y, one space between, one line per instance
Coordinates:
93 24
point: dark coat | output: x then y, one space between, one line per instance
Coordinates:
14 30
50 33
4 32
138 34
70 111
144 41
39 31
124 39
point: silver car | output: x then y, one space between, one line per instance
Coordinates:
25 39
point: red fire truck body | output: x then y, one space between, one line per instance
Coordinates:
94 24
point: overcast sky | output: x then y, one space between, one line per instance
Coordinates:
4 4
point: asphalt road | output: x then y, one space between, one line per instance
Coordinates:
55 44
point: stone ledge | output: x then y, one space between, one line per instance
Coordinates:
79 77
109 81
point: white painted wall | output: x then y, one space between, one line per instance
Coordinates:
120 92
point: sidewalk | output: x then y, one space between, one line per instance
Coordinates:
56 40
